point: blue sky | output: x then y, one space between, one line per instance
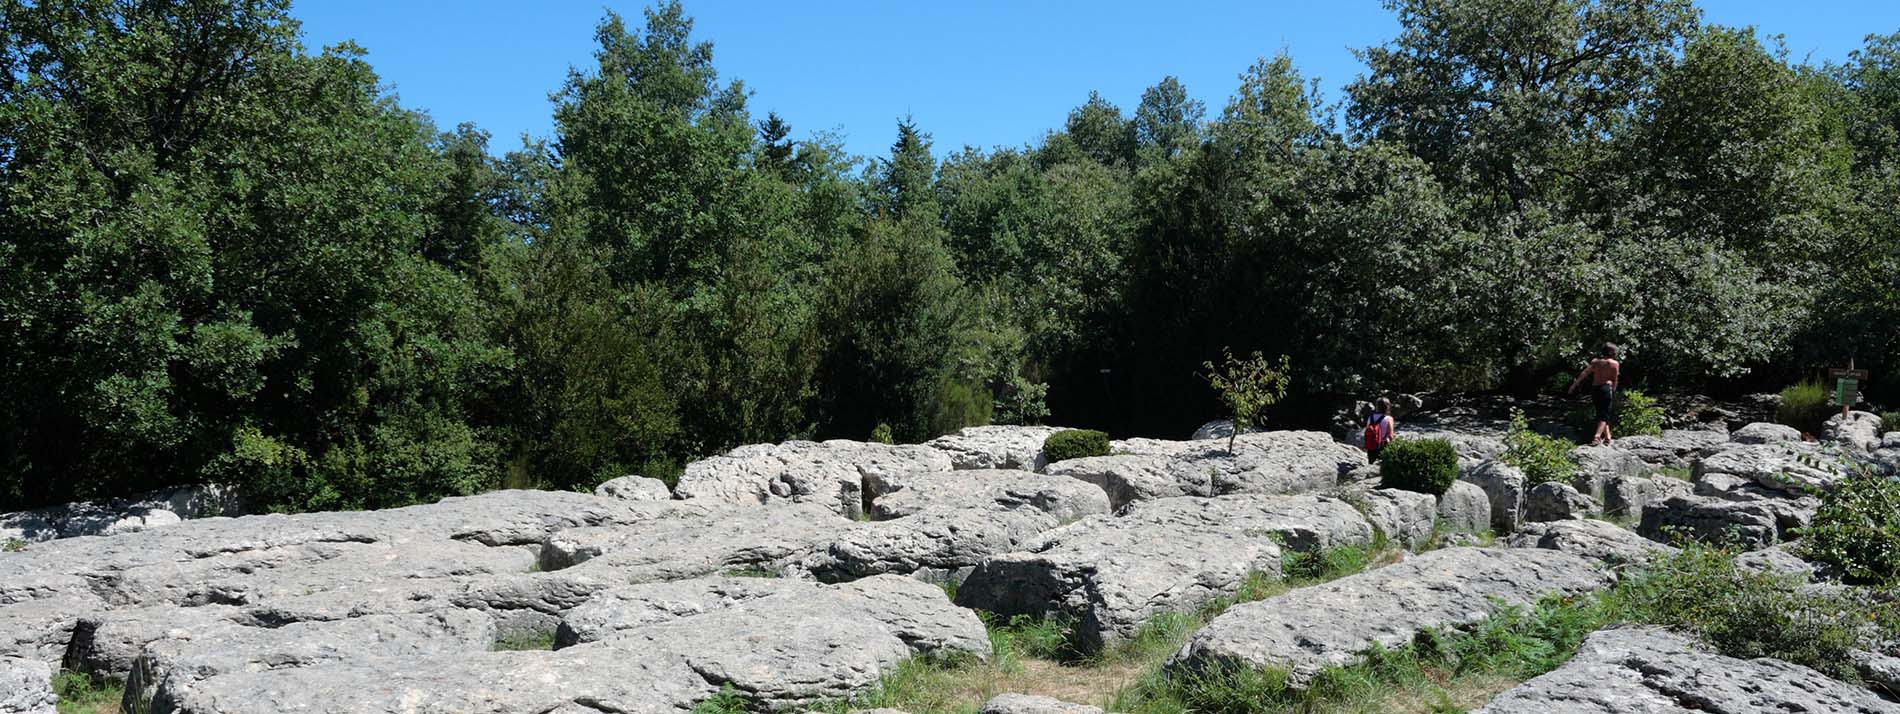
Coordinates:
972 72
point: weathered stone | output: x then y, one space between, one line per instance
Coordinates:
1505 486
1033 704
1112 574
830 473
995 447
106 643
689 545
1654 671
1625 496
1473 449
1407 518
1273 462
1310 628
938 544
626 607
118 516
1778 560
26 686
40 629
1791 468
1597 466
1858 431
634 488
1464 508
1762 432
1597 540
1555 501
1676 448
1750 524
1219 429
1064 498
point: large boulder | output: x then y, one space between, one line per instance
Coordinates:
1408 519
1597 540
1655 671
1625 496
634 488
1112 574
1064 498
1556 501
1762 432
1219 429
1473 449
1749 524
26 686
1464 508
696 544
1676 448
1505 486
1795 469
1308 629
995 447
116 516
1597 466
1274 462
1856 431
830 473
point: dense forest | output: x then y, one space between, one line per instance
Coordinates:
228 257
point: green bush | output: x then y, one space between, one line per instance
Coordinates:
1542 458
1637 414
1804 406
882 435
1422 465
1074 444
1889 421
1857 528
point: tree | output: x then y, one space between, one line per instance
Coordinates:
1249 387
778 149
1168 120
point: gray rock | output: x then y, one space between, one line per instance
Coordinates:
1881 671
1473 449
1310 628
106 643
1678 448
830 473
26 686
634 488
1597 540
1625 496
117 516
1219 429
40 629
690 545
1762 432
626 607
1641 670
1407 518
995 447
940 544
1505 486
1858 431
1112 574
1597 466
1064 498
1032 704
1556 501
1464 508
1749 524
1791 468
1274 462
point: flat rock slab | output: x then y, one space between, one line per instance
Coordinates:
1113 574
830 473
1795 469
1274 462
26 686
771 539
1748 524
1597 540
1653 671
1033 704
1677 448
993 489
941 544
1306 630
995 447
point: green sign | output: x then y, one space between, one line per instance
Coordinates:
1846 392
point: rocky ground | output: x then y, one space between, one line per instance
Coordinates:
781 577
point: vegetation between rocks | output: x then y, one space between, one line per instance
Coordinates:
83 694
1421 465
1074 444
1804 406
1542 458
1857 528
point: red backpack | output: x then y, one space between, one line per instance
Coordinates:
1376 434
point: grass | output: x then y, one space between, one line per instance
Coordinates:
81 694
525 641
1679 472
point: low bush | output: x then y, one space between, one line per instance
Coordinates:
1804 406
1074 444
882 435
1637 414
1889 422
1857 528
1542 458
1421 465
83 694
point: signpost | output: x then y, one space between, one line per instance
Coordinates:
1847 384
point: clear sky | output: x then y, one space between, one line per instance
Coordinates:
972 72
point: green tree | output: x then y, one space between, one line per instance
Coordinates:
1249 387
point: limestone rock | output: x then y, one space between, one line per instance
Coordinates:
1464 508
634 488
830 473
1678 448
1274 462
1762 432
689 545
1505 486
1597 466
1858 431
995 447
1310 628
1219 429
26 686
1556 501
1407 518
116 516
1032 704
938 544
1781 560
1750 524
1473 449
1654 671
1112 574
1593 539
1791 468
1065 499
1626 496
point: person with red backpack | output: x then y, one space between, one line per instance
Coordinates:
1378 429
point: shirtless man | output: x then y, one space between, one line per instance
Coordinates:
1602 373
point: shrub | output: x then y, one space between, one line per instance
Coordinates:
882 435
1857 528
1638 415
1422 465
1542 458
1889 421
1804 406
1074 444
1248 387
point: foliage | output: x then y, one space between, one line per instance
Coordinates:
725 701
1542 458
1421 465
1074 444
83 694
1857 527
1889 422
13 545
882 435
1249 387
523 641
1804 406
1638 415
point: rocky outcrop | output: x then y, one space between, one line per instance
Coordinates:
1794 469
1625 497
1032 704
1597 540
1219 429
691 544
1651 670
1748 524
1505 486
634 488
995 447
1464 508
26 686
1307 629
1112 574
118 516
1856 431
1675 448
1556 501
1765 433
1406 518
1597 466
1063 498
1277 462
830 473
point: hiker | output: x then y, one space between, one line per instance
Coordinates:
1378 429
1602 373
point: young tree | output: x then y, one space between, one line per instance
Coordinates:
1249 387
